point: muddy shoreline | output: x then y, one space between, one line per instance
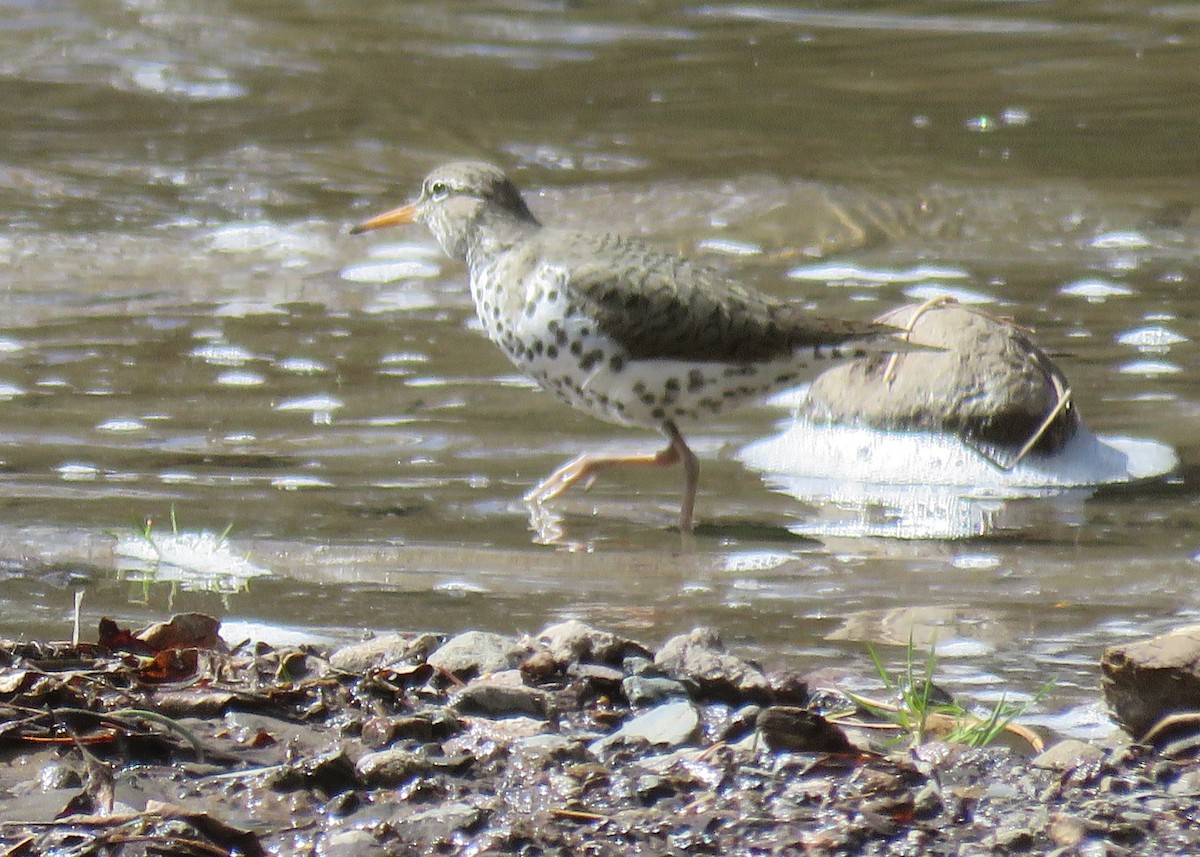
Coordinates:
570 741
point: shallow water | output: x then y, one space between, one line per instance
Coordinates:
187 328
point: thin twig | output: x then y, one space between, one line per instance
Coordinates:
937 301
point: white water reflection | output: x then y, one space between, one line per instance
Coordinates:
193 561
921 485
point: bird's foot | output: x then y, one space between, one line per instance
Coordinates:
576 470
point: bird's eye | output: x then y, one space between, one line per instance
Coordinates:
439 190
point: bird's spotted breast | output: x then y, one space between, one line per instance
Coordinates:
544 329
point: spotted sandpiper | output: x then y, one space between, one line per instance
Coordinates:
625 332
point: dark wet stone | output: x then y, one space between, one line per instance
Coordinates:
739 724
787 688
479 653
796 730
330 772
643 690
700 656
651 788
992 384
1146 680
343 804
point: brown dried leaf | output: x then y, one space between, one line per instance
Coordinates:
184 631
118 639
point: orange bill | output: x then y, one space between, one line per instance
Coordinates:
403 214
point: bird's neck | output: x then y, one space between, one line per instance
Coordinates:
496 233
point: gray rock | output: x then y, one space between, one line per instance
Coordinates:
386 768
548 745
1146 680
637 665
479 653
437 823
672 724
992 384
643 690
499 696
700 656
1067 755
597 674
382 651
573 640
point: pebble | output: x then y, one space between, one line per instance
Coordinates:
1067 755
643 690
385 768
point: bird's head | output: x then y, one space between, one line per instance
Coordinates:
455 198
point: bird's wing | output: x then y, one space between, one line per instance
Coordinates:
660 306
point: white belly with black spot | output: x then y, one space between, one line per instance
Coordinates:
546 335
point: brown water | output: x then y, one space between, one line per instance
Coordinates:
187 326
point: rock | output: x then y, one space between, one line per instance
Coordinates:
499 695
651 788
573 640
381 651
796 730
637 664
700 656
540 667
788 688
643 690
1066 831
548 746
1014 838
437 824
331 772
351 843
672 724
435 724
597 674
1148 679
992 385
478 653
1067 755
386 768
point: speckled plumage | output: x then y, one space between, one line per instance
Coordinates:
615 327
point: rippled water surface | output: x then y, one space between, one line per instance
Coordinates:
188 330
